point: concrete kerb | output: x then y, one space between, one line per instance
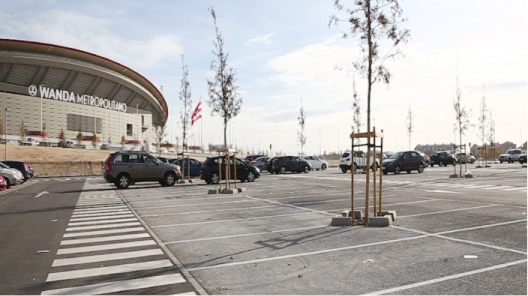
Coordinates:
227 191
384 219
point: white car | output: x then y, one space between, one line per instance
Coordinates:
316 162
360 161
12 176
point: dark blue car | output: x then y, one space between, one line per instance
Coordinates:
195 166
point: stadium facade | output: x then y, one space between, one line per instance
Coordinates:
48 89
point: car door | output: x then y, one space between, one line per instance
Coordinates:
416 160
406 161
152 169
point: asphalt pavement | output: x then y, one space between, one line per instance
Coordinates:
451 236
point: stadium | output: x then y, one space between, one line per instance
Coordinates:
47 91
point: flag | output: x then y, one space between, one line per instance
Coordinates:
197 113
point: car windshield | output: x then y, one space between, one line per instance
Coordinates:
396 155
3 165
346 154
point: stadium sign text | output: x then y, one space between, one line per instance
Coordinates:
66 96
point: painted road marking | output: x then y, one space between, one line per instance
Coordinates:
114 269
446 278
102 226
447 211
103 239
106 247
443 191
121 211
99 232
106 257
102 221
119 215
118 286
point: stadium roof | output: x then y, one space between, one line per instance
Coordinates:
25 63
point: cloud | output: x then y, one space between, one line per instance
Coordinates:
264 39
93 34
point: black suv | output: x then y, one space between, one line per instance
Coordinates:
442 158
125 168
289 163
404 161
209 170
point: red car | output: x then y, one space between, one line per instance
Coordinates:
3 183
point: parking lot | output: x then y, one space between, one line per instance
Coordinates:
452 236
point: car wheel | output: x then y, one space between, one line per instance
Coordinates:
421 169
7 182
344 170
283 170
408 171
251 177
169 179
215 179
323 167
123 181
306 169
500 161
385 172
510 160
397 170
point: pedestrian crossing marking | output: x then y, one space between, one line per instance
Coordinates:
106 247
106 257
103 239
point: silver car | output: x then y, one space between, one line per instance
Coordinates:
12 176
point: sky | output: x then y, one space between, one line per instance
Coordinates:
285 50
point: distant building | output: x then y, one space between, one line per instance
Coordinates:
430 148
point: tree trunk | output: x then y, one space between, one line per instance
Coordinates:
225 134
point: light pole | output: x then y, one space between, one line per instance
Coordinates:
319 141
5 124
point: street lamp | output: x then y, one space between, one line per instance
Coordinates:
5 124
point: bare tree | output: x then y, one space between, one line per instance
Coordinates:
491 133
185 98
61 135
356 127
462 117
161 132
373 21
223 93
409 125
302 121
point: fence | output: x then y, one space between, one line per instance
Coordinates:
67 168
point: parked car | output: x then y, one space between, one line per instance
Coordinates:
104 147
522 158
427 160
244 172
3 183
404 161
23 167
360 161
249 158
12 176
66 144
316 162
260 163
510 156
292 164
269 164
463 158
190 164
472 158
164 159
442 158
125 168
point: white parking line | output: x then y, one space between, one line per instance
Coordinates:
242 235
447 211
106 257
446 278
119 286
420 236
114 269
104 213
106 247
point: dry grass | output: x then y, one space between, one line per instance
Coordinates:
54 161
